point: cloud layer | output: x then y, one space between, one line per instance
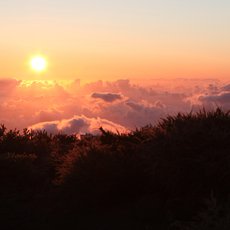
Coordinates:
79 125
120 105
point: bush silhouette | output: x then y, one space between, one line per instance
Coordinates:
156 177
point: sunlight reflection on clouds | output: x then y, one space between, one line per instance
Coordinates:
124 104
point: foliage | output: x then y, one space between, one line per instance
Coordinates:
156 177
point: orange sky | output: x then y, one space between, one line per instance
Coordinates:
130 39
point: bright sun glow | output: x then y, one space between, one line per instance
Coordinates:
38 63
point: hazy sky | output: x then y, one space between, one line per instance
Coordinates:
101 39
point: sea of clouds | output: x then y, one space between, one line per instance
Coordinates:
118 106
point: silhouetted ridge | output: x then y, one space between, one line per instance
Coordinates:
174 175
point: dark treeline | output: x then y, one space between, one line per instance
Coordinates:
175 175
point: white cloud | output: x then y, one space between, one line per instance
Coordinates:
78 125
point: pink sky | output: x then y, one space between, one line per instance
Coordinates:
122 105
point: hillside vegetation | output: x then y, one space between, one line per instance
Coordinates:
175 175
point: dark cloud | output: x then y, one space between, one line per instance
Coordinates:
135 106
108 97
226 88
220 99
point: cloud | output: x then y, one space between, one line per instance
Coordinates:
7 86
49 115
78 125
226 88
108 97
219 99
122 103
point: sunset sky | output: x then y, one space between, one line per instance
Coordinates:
72 66
109 40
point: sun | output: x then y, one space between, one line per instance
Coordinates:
38 63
